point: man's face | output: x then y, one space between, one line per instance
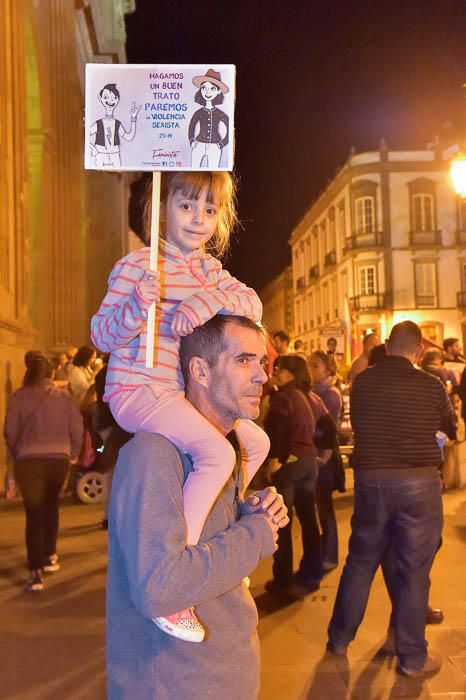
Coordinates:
281 346
235 382
331 345
370 344
455 349
109 100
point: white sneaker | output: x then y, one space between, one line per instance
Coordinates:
183 625
51 564
35 582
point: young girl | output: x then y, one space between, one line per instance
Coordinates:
197 213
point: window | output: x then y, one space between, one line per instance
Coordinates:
341 221
463 277
425 281
310 307
367 286
364 214
423 212
298 316
432 330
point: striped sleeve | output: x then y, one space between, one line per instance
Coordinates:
230 297
123 312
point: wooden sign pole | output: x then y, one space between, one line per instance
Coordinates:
154 247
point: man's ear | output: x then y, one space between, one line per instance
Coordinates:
199 370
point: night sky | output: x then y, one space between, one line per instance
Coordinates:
313 80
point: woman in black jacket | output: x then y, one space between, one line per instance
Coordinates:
292 467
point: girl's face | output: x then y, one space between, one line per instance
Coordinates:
209 91
318 370
283 376
191 223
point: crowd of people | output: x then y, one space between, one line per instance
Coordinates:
223 405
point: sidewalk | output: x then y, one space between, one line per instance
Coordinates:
52 644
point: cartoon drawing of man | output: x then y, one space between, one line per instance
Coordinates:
108 131
207 123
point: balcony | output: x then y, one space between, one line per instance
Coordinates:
330 259
300 284
461 300
423 238
362 241
426 300
313 273
461 238
371 302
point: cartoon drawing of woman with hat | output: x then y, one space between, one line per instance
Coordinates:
204 128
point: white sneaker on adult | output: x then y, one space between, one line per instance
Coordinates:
35 583
52 564
182 625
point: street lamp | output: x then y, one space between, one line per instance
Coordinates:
458 174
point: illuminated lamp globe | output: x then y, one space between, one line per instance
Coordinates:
458 174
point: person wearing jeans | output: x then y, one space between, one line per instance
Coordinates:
407 513
43 431
40 482
396 411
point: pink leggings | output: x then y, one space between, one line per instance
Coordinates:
154 410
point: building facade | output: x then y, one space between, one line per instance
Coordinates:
61 228
385 242
278 303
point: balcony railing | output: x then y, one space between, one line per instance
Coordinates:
426 300
363 240
425 238
371 302
300 284
313 272
461 300
461 237
330 259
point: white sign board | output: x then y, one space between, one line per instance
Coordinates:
159 117
333 339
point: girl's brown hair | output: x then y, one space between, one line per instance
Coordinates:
221 191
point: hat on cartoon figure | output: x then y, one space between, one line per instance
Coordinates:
212 76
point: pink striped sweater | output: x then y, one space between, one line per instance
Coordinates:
196 285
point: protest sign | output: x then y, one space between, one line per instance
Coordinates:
154 117
159 117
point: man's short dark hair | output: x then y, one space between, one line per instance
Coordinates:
284 337
111 87
449 342
208 341
405 335
371 335
332 340
298 344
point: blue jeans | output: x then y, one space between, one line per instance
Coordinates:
405 514
296 482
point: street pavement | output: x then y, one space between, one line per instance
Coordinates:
52 643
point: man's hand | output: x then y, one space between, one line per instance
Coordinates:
270 502
134 111
148 286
